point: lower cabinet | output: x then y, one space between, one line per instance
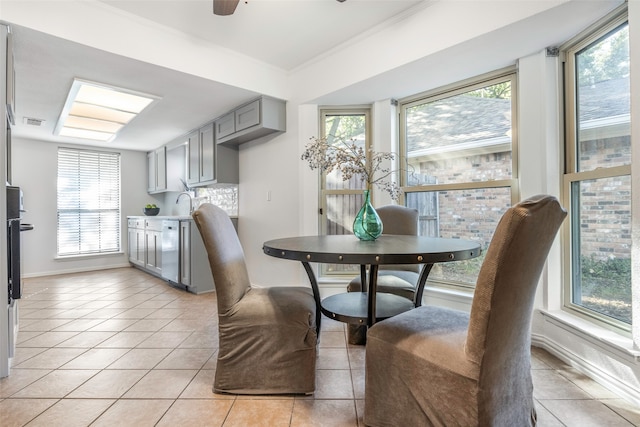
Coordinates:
185 253
153 245
145 244
145 252
195 273
136 242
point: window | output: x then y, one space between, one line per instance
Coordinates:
459 145
88 202
597 182
341 200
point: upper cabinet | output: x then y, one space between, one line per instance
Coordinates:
226 125
207 163
258 118
166 169
211 155
201 155
157 170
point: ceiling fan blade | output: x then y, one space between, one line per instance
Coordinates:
224 7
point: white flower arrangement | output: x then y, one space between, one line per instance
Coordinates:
352 160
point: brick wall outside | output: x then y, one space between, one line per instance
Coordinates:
474 214
470 214
606 215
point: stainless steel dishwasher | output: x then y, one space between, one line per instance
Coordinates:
171 250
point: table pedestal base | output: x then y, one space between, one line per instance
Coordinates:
352 307
357 334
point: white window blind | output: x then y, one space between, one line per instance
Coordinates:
88 202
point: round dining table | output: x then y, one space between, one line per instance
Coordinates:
369 306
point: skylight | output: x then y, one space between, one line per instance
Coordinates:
98 112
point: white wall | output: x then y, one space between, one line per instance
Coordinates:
94 23
270 165
35 172
409 56
539 152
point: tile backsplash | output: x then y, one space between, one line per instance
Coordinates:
225 197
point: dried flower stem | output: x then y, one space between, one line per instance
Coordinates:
351 160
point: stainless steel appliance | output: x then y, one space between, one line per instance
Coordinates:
14 209
14 282
171 250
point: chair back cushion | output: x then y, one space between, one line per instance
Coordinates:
397 219
226 257
503 301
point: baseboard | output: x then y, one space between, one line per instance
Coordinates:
606 364
75 270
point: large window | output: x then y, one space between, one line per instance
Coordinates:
597 182
459 149
88 202
341 200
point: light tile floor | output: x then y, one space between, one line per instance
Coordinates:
122 348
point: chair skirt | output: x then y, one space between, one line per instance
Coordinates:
417 375
268 343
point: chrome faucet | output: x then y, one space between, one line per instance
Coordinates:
190 200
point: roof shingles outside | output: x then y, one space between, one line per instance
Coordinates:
467 119
609 98
456 120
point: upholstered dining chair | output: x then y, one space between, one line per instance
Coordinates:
267 336
395 279
434 366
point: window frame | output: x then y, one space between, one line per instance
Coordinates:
571 173
116 163
323 193
513 183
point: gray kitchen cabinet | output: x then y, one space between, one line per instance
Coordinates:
195 273
193 158
208 163
207 153
146 252
248 116
239 119
202 156
225 125
136 241
185 253
157 170
250 121
153 245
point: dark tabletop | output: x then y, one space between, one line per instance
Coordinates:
387 249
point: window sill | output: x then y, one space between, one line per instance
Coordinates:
594 334
87 256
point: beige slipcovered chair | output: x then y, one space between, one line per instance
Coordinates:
434 366
395 279
268 336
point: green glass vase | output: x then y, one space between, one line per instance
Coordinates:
367 225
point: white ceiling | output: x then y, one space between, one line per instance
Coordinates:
283 33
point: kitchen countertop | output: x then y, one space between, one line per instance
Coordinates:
176 217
